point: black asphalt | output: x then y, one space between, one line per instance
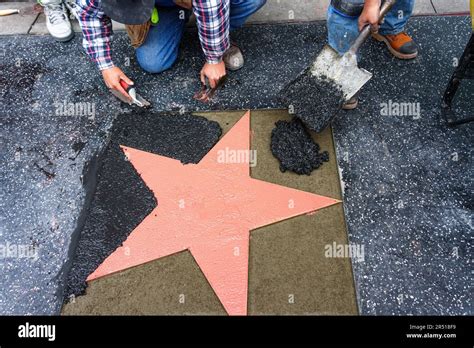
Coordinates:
293 146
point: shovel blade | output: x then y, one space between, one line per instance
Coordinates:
340 70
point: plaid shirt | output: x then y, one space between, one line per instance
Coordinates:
212 19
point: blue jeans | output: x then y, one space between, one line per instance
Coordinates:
160 49
343 29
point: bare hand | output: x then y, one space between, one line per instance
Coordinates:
370 16
112 77
213 72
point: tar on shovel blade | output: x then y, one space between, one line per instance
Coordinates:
316 101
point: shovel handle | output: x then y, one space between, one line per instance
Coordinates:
365 33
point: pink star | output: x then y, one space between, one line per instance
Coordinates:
208 208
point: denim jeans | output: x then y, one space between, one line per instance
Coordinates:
343 29
160 49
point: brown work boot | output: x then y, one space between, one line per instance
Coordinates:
233 58
401 45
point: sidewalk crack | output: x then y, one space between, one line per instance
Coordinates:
32 24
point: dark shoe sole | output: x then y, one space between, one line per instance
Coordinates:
64 39
393 51
350 106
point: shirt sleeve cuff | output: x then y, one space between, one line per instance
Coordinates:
213 60
105 64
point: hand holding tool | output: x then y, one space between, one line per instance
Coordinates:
205 94
130 89
334 79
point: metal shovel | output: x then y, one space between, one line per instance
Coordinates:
343 70
318 93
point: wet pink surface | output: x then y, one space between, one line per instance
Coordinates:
208 208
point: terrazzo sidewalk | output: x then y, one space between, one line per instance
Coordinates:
407 197
274 11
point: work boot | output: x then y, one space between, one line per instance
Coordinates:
401 45
351 104
57 20
233 58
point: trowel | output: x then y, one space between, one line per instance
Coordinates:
334 76
137 99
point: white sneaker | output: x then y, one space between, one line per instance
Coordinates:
57 20
72 7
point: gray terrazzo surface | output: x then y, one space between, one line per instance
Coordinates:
408 179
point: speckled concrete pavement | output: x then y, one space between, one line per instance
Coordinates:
406 181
